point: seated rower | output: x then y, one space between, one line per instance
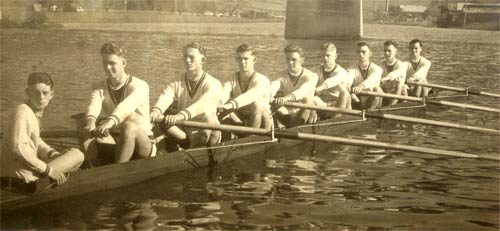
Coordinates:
418 69
25 157
124 101
197 94
365 76
333 80
246 95
393 72
296 83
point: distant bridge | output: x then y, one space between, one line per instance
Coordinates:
324 19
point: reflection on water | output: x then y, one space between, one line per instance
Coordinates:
314 186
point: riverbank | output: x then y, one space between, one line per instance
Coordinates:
395 32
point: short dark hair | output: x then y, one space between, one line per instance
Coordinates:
390 42
415 41
244 48
328 46
363 44
294 48
40 77
197 46
112 48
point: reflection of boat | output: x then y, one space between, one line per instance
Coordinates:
116 175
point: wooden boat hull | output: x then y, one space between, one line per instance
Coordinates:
117 175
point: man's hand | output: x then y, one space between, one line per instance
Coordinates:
357 89
384 79
413 79
170 120
319 89
89 126
225 107
280 101
59 177
102 130
154 115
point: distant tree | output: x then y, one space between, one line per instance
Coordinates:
437 12
395 11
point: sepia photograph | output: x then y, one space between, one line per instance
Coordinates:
250 115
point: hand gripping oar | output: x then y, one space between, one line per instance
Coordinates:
322 138
456 89
378 115
430 101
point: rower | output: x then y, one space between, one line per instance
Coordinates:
197 94
296 83
124 101
333 80
365 76
418 69
25 157
246 95
394 72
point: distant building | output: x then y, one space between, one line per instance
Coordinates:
462 12
413 13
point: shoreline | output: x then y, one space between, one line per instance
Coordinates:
277 29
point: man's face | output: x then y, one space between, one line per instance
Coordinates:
114 65
246 61
39 95
390 53
294 61
364 53
415 49
328 58
193 59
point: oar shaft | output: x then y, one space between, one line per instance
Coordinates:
430 101
433 122
322 138
376 144
456 89
55 134
461 105
377 115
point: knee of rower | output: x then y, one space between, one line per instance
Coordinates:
309 99
257 106
128 127
343 91
76 155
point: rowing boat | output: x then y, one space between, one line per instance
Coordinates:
117 175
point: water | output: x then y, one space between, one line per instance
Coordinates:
335 187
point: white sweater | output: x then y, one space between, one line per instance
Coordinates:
135 102
24 153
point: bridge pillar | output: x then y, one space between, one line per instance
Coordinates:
324 19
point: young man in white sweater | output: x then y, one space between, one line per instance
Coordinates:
25 157
393 72
418 69
365 76
123 100
197 94
246 95
295 83
333 82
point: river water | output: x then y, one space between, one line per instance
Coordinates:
336 187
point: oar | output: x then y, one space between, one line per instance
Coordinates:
456 89
321 138
430 101
55 134
377 115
